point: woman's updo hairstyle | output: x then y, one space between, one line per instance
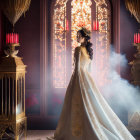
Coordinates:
86 34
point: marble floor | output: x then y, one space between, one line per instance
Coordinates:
41 134
38 134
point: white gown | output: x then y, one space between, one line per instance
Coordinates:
86 115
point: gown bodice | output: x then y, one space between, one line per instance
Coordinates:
82 59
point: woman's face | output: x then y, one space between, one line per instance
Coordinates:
80 39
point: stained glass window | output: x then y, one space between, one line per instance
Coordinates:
81 16
81 13
102 41
59 45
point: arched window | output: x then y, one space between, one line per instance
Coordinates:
67 19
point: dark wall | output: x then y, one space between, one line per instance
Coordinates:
1 32
29 31
128 26
28 27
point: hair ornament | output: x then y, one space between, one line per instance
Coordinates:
86 31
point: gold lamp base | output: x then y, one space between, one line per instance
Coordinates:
18 127
135 70
134 117
12 97
10 50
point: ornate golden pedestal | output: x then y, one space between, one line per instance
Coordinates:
12 96
134 117
135 70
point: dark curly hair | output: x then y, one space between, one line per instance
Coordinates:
87 43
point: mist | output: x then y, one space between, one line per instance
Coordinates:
119 92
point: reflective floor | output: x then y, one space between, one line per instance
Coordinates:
41 134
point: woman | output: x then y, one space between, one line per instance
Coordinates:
86 114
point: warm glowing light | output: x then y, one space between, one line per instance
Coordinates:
67 25
12 38
18 109
59 42
81 16
95 25
137 38
102 41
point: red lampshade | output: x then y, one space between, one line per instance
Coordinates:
12 38
137 38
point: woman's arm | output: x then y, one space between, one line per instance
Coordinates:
77 55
